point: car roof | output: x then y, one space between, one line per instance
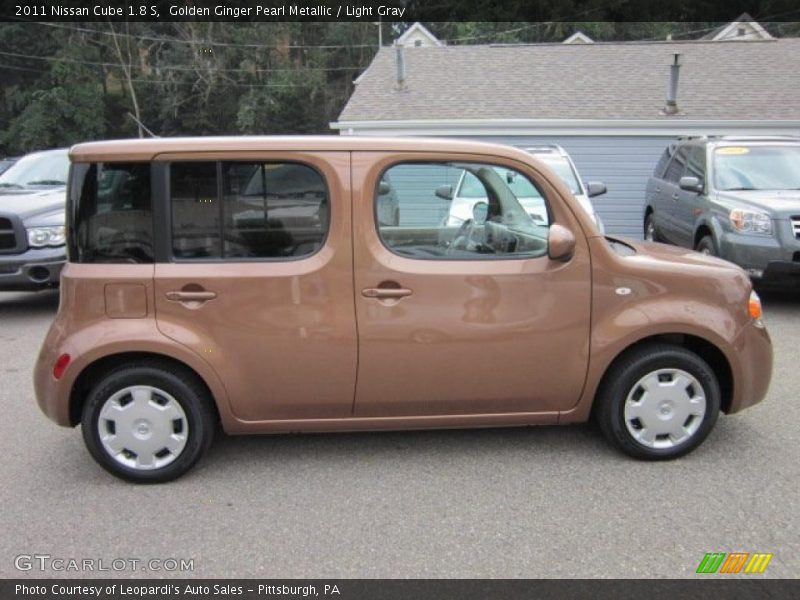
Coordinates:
149 148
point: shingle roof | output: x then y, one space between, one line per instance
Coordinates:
730 80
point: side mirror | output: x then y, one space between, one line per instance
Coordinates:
560 243
690 184
383 188
445 192
595 188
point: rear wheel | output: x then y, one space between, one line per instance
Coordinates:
147 424
650 231
658 401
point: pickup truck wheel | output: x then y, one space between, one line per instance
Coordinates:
146 424
706 246
658 402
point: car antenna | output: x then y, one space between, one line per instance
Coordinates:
142 125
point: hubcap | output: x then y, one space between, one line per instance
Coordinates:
665 408
143 427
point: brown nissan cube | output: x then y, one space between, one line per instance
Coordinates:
250 281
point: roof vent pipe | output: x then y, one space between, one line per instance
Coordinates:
401 67
672 89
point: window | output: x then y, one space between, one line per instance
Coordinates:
676 166
246 210
663 160
195 210
696 165
113 219
464 211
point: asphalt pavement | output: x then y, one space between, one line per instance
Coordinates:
533 502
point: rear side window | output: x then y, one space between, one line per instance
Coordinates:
112 214
247 210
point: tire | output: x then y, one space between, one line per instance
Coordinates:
706 246
648 423
171 427
650 231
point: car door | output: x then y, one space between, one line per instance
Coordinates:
447 327
690 203
669 195
257 277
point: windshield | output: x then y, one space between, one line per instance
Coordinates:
564 170
42 169
757 168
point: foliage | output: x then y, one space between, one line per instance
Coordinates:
70 82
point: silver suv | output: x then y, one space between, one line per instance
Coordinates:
467 192
733 197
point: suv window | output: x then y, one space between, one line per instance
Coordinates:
677 165
696 164
113 219
499 224
662 162
243 210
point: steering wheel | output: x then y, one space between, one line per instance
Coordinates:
463 236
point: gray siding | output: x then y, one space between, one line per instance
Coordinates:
415 186
623 163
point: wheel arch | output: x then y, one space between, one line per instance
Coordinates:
705 349
98 367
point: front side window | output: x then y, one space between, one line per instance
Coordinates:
696 164
243 210
113 218
494 212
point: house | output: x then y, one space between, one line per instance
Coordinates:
605 103
578 38
743 29
418 36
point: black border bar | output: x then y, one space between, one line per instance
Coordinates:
722 11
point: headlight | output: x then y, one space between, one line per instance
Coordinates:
751 221
39 237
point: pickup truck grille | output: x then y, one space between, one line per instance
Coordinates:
11 235
796 226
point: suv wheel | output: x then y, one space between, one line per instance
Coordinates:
659 401
146 424
650 232
706 246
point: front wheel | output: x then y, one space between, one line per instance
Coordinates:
147 424
706 246
658 401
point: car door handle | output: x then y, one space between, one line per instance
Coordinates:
195 296
675 196
658 189
385 293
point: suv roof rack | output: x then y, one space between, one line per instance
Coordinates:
544 149
742 138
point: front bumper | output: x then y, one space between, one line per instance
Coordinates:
753 368
34 269
774 259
